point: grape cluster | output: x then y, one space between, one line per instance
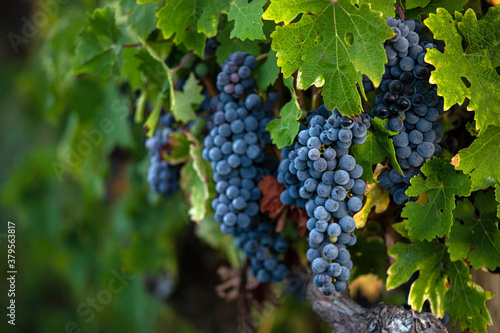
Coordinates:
235 147
319 173
163 177
410 103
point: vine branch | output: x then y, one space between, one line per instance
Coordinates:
345 315
189 56
400 11
262 56
141 44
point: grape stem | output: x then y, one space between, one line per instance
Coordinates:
262 56
315 97
183 62
141 44
299 93
207 83
400 11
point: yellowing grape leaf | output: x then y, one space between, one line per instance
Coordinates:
465 300
190 22
247 18
196 181
442 184
476 239
376 197
425 257
333 42
482 159
472 64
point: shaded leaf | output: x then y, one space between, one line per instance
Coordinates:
190 22
479 235
230 45
377 146
497 196
268 72
466 300
442 184
482 159
416 3
95 52
142 18
425 257
433 5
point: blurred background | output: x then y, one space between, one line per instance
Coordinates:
95 250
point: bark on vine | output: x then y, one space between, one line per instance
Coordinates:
346 316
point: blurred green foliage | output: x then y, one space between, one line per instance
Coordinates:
73 179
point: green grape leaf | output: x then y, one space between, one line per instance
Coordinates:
481 159
480 233
416 3
465 300
384 6
96 51
190 22
399 227
195 181
142 18
140 107
331 45
471 64
433 5
182 102
154 116
442 184
494 55
268 72
230 45
178 148
483 33
247 17
154 71
497 197
129 68
284 129
425 257
377 146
